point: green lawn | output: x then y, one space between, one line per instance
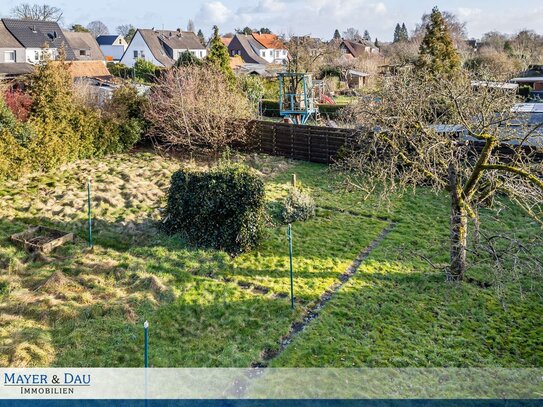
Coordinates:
81 308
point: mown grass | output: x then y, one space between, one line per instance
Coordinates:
399 312
86 308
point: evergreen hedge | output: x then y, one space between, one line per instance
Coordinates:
222 208
59 128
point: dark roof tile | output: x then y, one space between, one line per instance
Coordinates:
37 34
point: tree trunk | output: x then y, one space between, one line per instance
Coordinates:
459 230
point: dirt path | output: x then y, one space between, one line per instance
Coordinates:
298 326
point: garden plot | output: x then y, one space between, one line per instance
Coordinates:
128 192
206 309
85 308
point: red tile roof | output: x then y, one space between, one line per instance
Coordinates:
269 41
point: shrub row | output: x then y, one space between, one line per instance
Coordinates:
57 127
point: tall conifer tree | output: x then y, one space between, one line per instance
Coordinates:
437 53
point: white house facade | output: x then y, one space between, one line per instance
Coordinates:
162 47
23 41
274 56
271 48
113 46
138 49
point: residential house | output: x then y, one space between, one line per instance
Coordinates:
84 46
24 44
12 55
275 52
249 49
11 50
259 49
112 46
39 38
162 47
226 41
356 49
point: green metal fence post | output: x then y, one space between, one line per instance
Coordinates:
89 212
146 343
291 272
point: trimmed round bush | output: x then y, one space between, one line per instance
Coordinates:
298 205
222 208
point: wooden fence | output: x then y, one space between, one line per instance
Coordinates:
307 143
324 144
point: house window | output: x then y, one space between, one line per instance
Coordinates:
9 56
271 53
36 55
142 54
82 52
201 54
135 54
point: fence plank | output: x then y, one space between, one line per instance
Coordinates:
308 143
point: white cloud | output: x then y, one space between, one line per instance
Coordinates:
321 17
380 8
464 12
214 12
316 17
507 21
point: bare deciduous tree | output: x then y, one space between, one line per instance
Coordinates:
456 28
97 28
402 53
190 26
352 34
38 12
527 47
195 107
126 30
490 64
447 134
309 54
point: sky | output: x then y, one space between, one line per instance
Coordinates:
298 17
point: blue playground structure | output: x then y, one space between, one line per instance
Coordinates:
297 97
